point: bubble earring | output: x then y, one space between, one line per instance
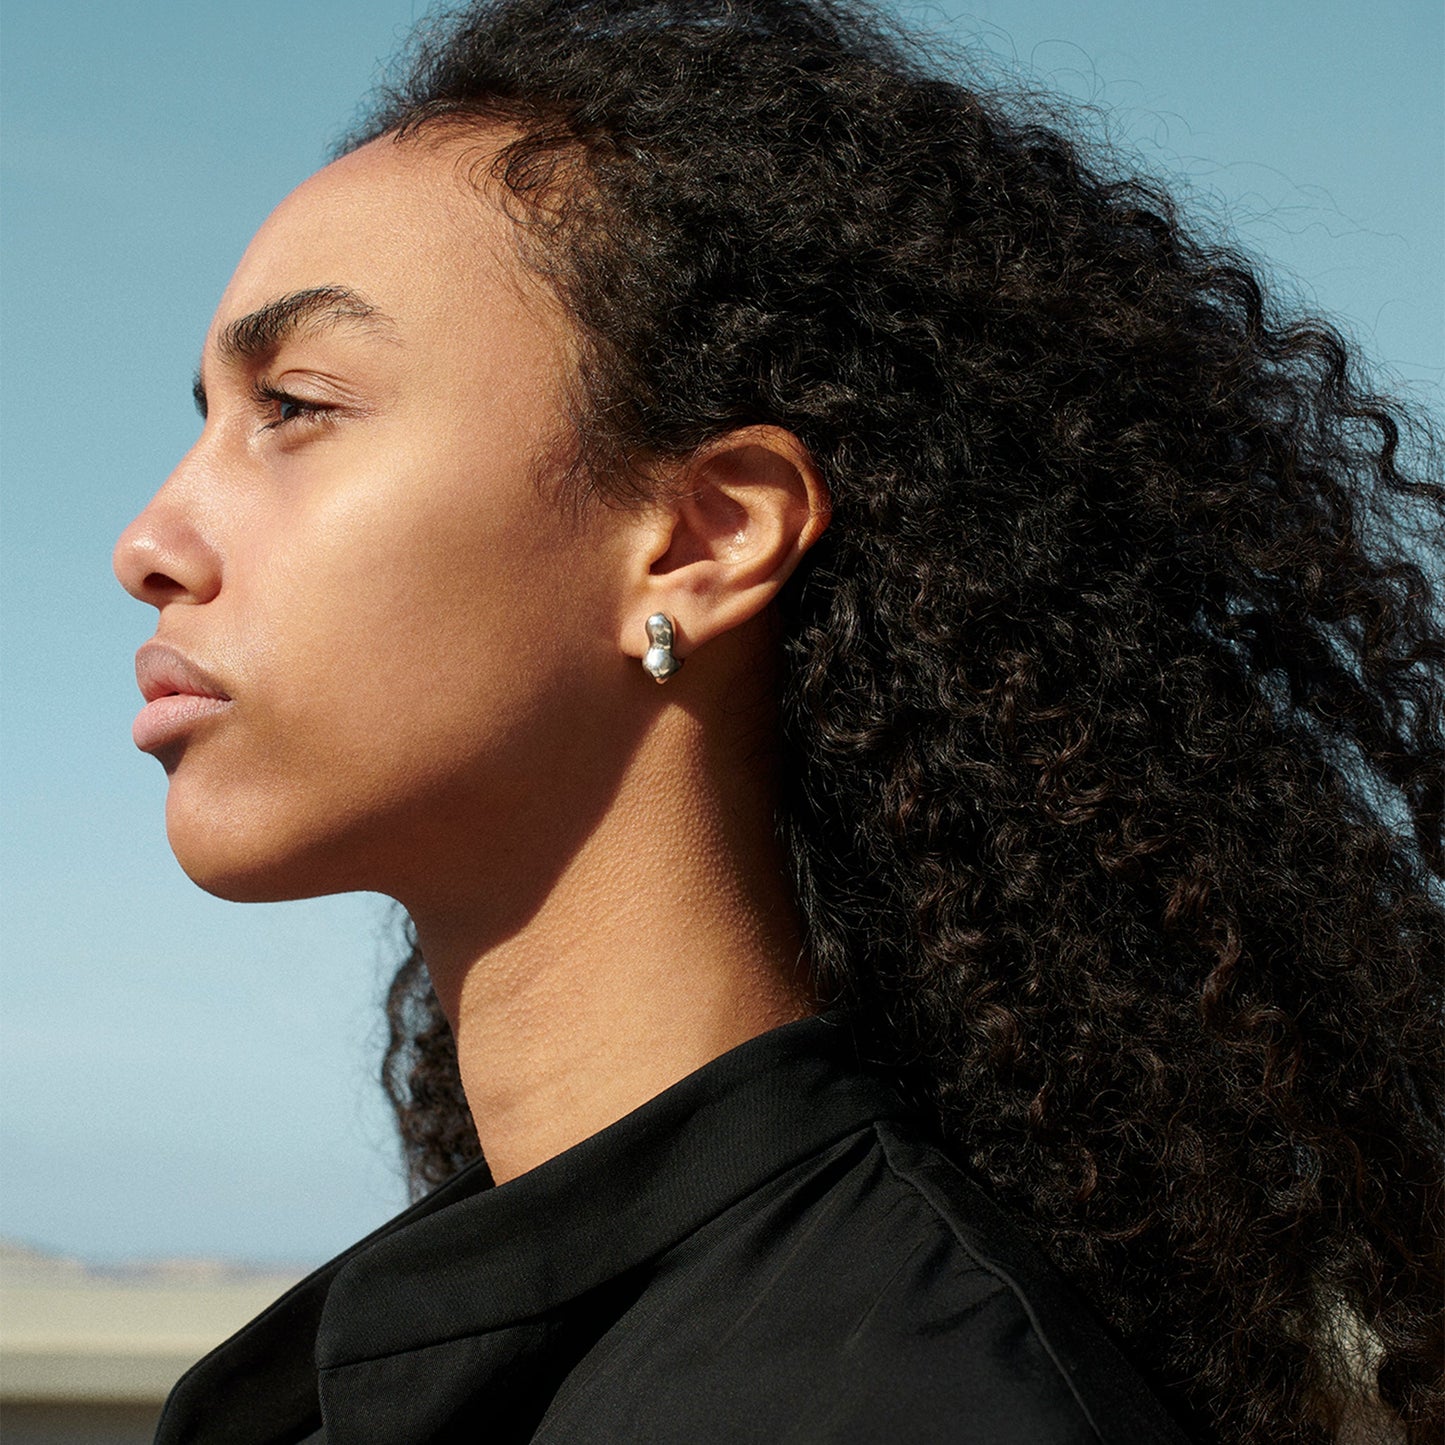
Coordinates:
659 660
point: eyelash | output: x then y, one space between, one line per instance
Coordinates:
269 398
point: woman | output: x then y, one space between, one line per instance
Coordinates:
990 991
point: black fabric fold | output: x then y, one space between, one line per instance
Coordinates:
772 1250
654 1177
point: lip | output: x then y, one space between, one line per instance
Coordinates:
179 694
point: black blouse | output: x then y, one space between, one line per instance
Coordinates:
770 1251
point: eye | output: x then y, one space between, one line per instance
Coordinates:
286 409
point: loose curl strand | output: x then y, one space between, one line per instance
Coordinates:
1112 702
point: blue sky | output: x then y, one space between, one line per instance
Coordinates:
182 1075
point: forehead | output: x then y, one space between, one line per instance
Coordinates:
401 224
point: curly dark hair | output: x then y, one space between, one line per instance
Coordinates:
1111 713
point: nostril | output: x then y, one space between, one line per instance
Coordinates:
158 584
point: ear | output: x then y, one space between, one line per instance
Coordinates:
734 523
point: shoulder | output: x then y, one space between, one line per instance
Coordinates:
988 1322
870 1293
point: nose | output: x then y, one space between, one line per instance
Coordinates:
163 555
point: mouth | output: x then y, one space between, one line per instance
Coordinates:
179 694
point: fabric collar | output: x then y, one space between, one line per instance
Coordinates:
471 1257
612 1202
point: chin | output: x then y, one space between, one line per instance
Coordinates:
243 881
241 887
234 859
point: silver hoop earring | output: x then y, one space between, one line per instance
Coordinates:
659 660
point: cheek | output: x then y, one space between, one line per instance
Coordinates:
426 628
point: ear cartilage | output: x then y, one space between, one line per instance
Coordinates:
659 660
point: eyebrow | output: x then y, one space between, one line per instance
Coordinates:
257 334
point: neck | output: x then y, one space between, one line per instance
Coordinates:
669 937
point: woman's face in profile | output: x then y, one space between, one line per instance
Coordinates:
357 554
